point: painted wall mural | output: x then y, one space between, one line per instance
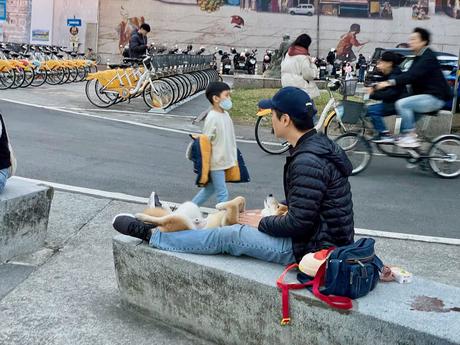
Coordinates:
126 26
350 26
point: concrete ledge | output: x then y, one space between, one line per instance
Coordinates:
235 301
259 82
24 212
437 125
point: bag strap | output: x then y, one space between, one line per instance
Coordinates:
339 302
285 293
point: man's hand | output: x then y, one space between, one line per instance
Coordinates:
251 218
382 85
370 90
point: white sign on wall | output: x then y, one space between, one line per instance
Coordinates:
41 27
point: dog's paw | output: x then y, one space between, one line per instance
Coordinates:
222 206
141 216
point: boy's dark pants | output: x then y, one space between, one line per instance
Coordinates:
377 111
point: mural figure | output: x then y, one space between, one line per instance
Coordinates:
74 39
237 21
347 42
127 26
387 11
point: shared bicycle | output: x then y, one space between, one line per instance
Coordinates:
328 121
161 80
441 154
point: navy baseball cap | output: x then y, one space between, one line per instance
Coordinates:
292 101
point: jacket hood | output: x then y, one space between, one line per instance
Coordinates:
321 146
297 50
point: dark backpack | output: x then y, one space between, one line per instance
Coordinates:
350 272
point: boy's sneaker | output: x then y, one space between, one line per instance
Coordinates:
383 138
408 141
127 224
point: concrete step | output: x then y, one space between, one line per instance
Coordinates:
233 300
429 126
24 212
242 81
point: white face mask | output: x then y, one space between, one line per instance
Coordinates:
226 104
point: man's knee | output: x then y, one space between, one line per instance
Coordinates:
228 235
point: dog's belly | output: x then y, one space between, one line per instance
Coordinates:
215 220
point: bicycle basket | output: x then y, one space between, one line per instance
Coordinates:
348 87
352 111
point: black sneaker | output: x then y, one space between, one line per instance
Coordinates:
128 225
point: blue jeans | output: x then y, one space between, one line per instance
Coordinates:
377 111
409 106
4 174
361 74
236 240
215 185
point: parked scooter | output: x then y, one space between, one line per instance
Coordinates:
322 66
187 50
226 62
200 51
239 60
267 60
251 61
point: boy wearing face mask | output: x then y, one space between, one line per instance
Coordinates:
218 126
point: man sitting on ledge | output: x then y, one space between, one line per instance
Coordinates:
318 196
6 156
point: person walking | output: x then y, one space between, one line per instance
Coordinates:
218 127
361 66
331 61
298 68
348 71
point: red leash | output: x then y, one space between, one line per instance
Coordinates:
338 302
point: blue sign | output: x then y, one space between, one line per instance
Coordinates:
73 22
2 9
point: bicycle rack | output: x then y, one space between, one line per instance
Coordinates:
196 68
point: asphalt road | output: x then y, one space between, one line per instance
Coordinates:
117 157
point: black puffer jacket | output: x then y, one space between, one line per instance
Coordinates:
137 45
318 196
425 76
